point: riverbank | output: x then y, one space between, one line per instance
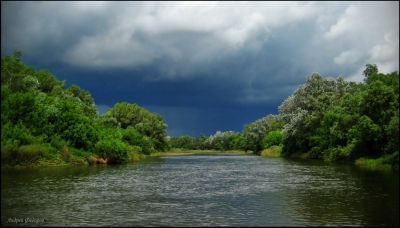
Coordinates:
46 156
385 162
75 157
183 152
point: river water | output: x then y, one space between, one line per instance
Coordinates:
201 191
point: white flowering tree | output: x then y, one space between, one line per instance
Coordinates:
255 132
303 110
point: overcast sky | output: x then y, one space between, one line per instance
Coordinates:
204 66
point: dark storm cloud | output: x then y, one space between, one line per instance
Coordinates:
46 30
204 66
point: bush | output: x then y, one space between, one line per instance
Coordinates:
134 138
147 146
17 133
65 154
29 153
80 153
339 153
8 149
134 149
75 156
273 138
113 150
13 154
273 151
331 154
49 152
57 142
81 134
134 154
18 107
315 153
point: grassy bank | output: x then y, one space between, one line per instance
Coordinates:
385 162
40 156
44 155
273 152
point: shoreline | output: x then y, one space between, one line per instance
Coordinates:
136 159
179 152
363 163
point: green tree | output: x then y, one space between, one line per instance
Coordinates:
114 150
335 119
304 110
147 123
255 132
273 138
40 115
370 70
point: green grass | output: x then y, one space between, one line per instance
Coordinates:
56 154
135 156
273 151
381 163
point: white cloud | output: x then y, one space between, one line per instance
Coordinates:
367 32
345 23
347 57
192 32
386 54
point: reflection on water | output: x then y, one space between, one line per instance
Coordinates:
201 191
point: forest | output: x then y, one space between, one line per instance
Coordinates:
43 122
325 118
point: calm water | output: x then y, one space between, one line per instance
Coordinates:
201 191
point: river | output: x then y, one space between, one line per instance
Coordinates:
201 191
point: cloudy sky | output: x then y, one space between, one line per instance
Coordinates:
204 66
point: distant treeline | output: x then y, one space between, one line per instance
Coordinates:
330 119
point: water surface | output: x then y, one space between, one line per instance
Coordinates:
201 191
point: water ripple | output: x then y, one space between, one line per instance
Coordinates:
203 191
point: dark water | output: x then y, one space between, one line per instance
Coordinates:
201 191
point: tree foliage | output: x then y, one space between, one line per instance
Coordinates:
255 132
148 124
325 118
336 120
273 138
38 110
